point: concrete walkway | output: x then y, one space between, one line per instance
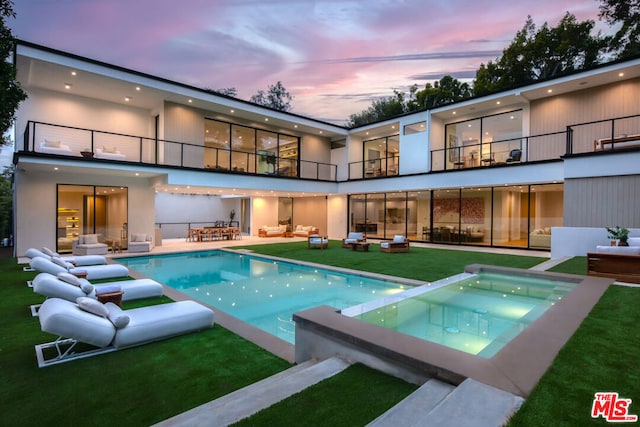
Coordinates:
245 402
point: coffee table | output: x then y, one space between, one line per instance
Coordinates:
363 246
114 297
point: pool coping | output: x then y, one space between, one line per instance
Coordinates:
516 368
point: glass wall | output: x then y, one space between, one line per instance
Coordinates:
482 141
86 209
245 149
508 216
381 156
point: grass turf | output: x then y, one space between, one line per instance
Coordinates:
137 386
600 357
419 263
354 397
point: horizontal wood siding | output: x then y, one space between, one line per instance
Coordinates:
600 103
602 202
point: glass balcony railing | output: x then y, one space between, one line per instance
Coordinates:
52 139
383 167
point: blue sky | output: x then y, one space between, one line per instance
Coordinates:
334 57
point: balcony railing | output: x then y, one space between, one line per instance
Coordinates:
52 139
600 135
386 166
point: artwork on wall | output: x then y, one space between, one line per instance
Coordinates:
471 211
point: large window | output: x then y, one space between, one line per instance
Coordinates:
482 141
86 209
510 216
381 156
246 149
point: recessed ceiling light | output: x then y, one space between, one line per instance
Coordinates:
232 111
55 169
67 86
137 174
549 90
454 112
138 88
73 73
621 75
266 119
127 98
498 102
190 101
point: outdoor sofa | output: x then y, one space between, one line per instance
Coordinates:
397 245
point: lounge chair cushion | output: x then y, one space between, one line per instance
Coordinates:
92 306
49 252
398 238
62 263
94 272
116 316
79 260
633 241
162 321
50 286
66 319
69 278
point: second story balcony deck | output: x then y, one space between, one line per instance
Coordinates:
91 145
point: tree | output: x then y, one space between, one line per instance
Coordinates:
444 91
541 54
625 42
6 202
11 94
276 97
380 109
227 91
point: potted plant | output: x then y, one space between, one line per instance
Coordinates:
619 234
232 215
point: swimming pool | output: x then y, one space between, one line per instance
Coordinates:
259 291
479 314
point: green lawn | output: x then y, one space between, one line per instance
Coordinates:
144 385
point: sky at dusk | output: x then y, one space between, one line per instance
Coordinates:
334 57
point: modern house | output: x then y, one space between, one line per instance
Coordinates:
107 150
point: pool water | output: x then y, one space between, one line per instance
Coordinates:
478 315
261 292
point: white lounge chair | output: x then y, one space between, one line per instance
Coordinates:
94 272
110 328
78 260
69 287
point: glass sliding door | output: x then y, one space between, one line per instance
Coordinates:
267 148
546 211
420 215
510 216
288 155
446 215
243 146
217 151
85 209
395 221
475 216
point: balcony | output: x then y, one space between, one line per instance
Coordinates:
92 145
374 168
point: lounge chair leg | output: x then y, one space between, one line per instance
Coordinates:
34 309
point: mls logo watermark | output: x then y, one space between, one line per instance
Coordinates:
612 408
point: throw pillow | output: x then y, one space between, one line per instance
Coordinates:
111 150
51 143
49 251
139 237
86 287
107 289
93 306
70 278
118 317
90 239
62 263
